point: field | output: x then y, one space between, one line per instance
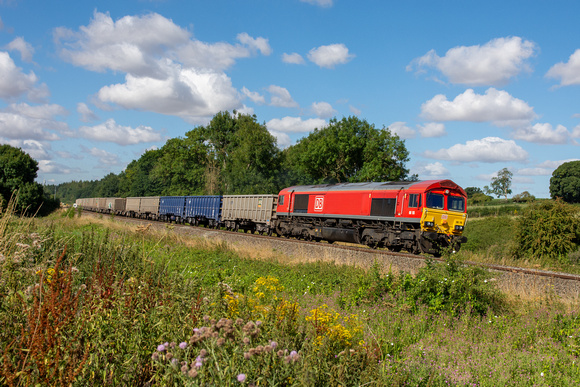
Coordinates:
89 301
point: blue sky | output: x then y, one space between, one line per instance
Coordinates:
472 87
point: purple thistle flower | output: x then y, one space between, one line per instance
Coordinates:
273 344
161 347
241 378
183 345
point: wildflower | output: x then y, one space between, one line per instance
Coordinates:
183 345
246 340
273 344
155 356
241 378
161 348
202 353
192 373
184 368
247 355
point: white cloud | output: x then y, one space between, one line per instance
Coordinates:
86 113
254 96
166 71
494 63
402 130
430 170
542 134
131 44
320 3
282 139
22 121
48 166
432 129
26 50
295 124
330 56
281 97
104 157
568 73
576 132
13 82
188 93
496 106
354 110
553 164
534 171
110 131
323 109
487 150
259 43
293 58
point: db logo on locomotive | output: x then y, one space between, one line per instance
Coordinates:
318 203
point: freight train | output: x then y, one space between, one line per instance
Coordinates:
417 216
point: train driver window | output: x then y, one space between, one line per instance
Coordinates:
435 200
414 200
281 200
456 203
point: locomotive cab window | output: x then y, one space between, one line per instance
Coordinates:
456 203
435 200
414 200
281 200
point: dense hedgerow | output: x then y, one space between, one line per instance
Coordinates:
548 230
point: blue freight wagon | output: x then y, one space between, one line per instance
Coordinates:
172 208
203 210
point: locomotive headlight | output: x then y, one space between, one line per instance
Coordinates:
429 224
458 228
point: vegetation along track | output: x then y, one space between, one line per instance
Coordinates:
525 282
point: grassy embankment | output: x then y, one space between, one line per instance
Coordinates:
96 302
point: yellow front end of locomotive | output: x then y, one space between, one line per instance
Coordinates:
443 222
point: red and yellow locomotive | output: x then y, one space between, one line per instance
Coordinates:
418 216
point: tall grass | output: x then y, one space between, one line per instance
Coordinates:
87 303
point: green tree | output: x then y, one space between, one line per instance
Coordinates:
17 173
565 182
180 168
241 155
470 191
500 185
349 150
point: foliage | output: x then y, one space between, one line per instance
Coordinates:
470 191
17 173
500 184
524 197
349 150
478 198
455 288
565 182
548 230
146 310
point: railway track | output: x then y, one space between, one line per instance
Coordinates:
525 280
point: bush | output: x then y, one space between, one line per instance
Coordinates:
479 198
455 287
524 197
549 230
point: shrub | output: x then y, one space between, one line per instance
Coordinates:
547 230
454 287
523 197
